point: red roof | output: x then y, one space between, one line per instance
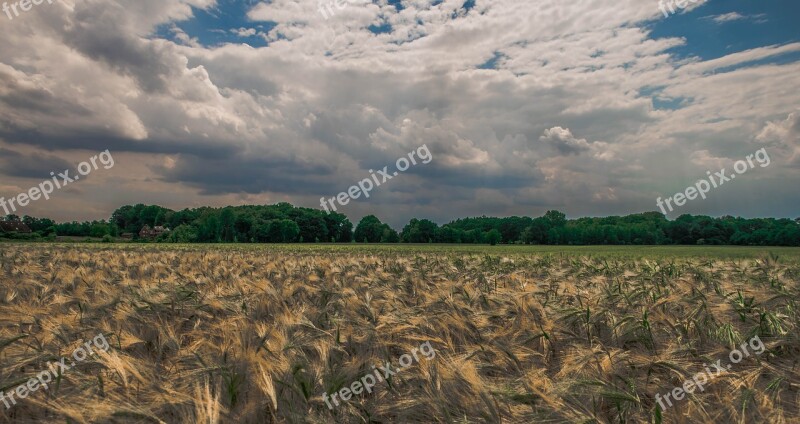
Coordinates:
14 227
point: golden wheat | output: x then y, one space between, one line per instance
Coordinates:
202 335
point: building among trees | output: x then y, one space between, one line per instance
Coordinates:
14 227
152 233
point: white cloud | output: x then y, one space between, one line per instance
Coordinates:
727 17
244 32
783 137
736 16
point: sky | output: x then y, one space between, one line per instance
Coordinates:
591 107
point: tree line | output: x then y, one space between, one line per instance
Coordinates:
285 223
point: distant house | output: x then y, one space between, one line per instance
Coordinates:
126 236
14 227
151 233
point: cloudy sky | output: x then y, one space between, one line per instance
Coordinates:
591 107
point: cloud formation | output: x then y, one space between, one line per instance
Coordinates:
526 106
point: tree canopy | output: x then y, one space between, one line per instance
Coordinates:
285 223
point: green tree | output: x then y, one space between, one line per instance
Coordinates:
419 231
369 230
555 218
183 234
389 235
493 237
227 221
340 229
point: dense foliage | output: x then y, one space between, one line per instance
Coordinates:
651 228
281 223
284 223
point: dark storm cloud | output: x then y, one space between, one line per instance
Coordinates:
97 32
16 164
100 140
251 175
26 99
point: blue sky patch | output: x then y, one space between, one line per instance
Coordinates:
225 23
761 23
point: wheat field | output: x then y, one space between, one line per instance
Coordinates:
235 335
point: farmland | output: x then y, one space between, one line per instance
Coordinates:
257 333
